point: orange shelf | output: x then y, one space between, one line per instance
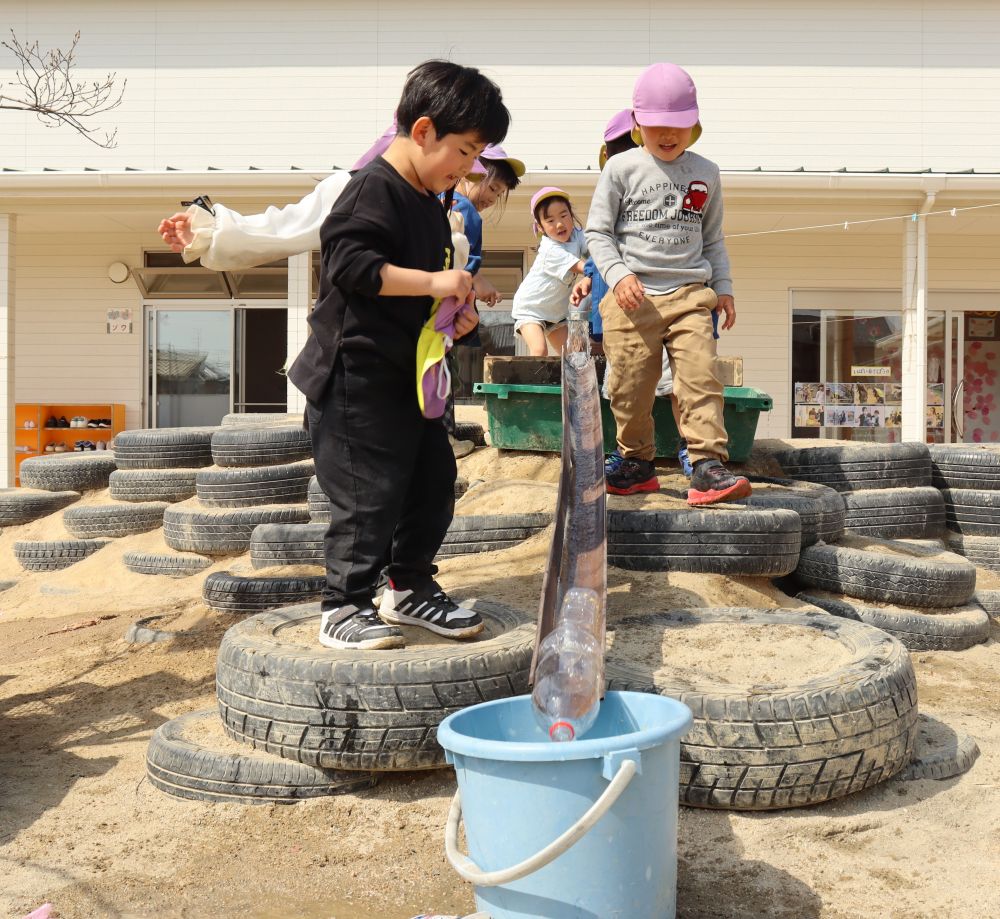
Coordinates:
39 412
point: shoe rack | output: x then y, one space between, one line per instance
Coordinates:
32 436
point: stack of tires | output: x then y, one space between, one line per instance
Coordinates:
916 592
299 720
969 478
51 483
157 468
259 474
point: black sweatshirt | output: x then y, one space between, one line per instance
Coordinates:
379 218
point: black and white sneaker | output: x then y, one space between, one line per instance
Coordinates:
430 608
362 630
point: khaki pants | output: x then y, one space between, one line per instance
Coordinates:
634 342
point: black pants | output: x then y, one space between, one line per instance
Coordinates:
389 474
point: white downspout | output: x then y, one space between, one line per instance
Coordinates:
914 356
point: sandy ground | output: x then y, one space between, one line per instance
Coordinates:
81 827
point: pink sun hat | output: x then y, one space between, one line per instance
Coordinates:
543 194
496 152
665 96
619 125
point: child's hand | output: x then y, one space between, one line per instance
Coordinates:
451 283
580 290
466 319
485 291
630 293
727 306
176 232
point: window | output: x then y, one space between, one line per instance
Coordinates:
165 275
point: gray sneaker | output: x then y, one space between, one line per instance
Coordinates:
362 630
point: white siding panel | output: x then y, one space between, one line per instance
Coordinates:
234 83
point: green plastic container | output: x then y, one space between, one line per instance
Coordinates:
526 417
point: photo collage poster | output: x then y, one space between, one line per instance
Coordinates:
855 405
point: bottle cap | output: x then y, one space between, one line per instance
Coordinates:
561 731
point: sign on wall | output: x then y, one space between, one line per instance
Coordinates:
120 322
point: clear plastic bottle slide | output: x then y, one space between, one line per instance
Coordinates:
568 679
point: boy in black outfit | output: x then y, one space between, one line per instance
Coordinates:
389 471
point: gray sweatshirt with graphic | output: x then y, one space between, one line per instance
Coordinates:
659 221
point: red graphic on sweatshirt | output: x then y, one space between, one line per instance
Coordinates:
696 197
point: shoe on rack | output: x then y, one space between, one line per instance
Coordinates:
62 422
60 448
612 461
362 630
93 423
101 445
51 422
429 607
711 483
78 446
104 422
50 448
29 425
683 458
632 477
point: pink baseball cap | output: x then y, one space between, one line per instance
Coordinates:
496 152
543 194
665 96
618 125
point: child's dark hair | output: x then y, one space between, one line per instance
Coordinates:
500 171
457 99
542 210
620 144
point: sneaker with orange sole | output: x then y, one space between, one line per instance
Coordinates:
712 483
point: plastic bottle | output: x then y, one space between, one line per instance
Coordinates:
567 690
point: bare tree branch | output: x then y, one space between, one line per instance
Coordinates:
46 85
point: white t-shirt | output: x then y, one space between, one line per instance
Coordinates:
544 293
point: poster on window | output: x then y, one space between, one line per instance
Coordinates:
935 394
809 393
839 393
841 416
808 416
935 416
893 416
893 395
869 393
870 416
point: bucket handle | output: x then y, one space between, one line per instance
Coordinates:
468 870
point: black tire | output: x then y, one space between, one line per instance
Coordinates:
953 629
989 600
228 487
821 509
972 512
145 632
22 505
849 468
139 485
489 532
734 542
250 419
191 757
36 555
759 748
91 521
287 544
966 466
362 709
192 527
983 551
940 753
170 564
265 446
911 576
164 448
68 471
469 430
894 513
233 594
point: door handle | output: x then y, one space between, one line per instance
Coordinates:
957 413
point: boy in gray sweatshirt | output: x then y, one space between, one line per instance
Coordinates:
655 233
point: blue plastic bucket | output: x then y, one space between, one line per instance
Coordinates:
611 796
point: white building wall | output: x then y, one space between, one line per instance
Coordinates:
8 234
64 353
783 84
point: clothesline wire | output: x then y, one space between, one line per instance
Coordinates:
953 211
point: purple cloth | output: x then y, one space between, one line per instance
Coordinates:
378 148
436 380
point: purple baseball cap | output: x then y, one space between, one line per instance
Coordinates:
618 125
496 152
665 96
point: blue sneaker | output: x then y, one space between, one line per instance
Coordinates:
612 462
682 458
